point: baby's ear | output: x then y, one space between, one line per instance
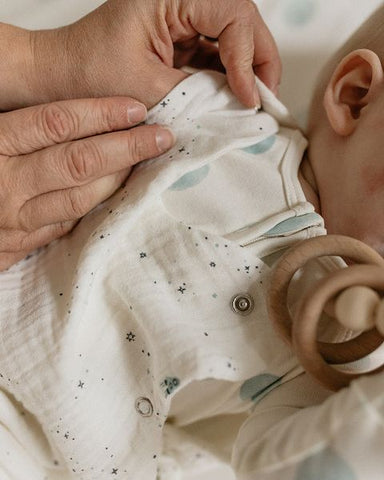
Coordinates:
354 83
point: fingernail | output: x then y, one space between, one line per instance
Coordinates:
136 113
256 99
164 139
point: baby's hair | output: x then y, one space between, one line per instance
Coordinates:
369 35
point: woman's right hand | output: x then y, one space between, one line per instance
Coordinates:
58 161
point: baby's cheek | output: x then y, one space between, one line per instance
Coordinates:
372 180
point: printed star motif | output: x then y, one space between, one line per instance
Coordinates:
114 471
131 337
143 255
212 264
163 104
81 384
181 290
182 149
66 435
247 268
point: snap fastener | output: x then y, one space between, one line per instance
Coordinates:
144 407
242 304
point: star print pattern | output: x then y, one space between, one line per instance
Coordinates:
162 288
131 337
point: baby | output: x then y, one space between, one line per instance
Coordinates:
140 347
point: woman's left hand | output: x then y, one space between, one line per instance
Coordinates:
135 48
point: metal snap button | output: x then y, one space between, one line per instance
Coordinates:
242 304
144 406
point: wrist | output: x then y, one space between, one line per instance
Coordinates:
35 67
51 71
16 66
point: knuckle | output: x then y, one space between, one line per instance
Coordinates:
23 241
246 13
62 228
78 203
138 147
11 201
245 8
83 160
25 221
107 116
57 123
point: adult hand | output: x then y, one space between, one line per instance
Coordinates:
128 48
58 161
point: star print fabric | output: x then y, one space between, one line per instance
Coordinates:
104 329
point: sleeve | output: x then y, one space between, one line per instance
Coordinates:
302 432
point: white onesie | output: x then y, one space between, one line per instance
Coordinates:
159 294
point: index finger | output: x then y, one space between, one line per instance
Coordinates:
34 128
266 60
247 47
245 43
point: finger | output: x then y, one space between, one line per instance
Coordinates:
19 243
266 60
34 128
70 204
237 59
241 31
9 259
78 163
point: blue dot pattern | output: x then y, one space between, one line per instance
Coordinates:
294 224
257 387
190 179
325 465
261 147
299 12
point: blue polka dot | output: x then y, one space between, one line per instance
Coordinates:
325 465
190 179
299 12
257 387
261 147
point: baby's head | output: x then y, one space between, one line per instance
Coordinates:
346 136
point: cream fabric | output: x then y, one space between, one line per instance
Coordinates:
100 329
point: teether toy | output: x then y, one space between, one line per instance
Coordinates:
361 312
355 308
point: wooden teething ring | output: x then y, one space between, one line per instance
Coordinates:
314 354
304 327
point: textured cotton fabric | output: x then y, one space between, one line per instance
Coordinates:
101 330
